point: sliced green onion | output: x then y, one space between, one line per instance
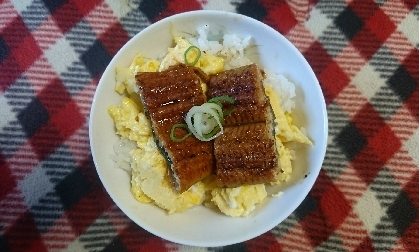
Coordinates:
206 121
202 116
192 55
221 98
172 132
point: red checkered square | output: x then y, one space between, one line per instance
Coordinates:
368 120
318 226
27 52
9 69
367 43
411 4
82 214
333 80
135 239
178 6
24 236
15 33
334 206
114 38
264 242
7 182
45 140
281 18
381 25
413 104
68 120
366 245
54 96
364 9
85 6
318 58
385 143
367 164
67 16
411 63
23 52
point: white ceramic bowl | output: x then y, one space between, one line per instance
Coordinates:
201 226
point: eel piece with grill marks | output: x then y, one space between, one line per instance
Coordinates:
167 96
246 152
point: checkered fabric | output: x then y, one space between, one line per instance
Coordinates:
365 54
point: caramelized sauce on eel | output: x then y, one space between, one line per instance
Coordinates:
244 154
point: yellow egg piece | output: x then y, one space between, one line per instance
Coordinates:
239 201
210 64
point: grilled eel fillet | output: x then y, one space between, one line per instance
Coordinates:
167 96
246 152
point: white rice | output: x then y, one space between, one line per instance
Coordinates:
283 87
121 155
230 47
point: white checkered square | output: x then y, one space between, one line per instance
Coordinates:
368 81
75 246
6 113
58 52
21 5
122 7
218 5
369 210
412 146
35 185
409 27
317 22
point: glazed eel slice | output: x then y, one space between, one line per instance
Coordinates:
246 152
167 96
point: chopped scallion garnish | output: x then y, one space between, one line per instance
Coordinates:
192 55
206 121
172 132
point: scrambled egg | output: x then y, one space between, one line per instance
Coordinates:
125 77
285 131
150 182
239 201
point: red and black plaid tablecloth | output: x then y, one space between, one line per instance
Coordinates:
364 53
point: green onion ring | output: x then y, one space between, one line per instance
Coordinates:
190 52
172 132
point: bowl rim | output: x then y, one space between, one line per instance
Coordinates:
246 236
